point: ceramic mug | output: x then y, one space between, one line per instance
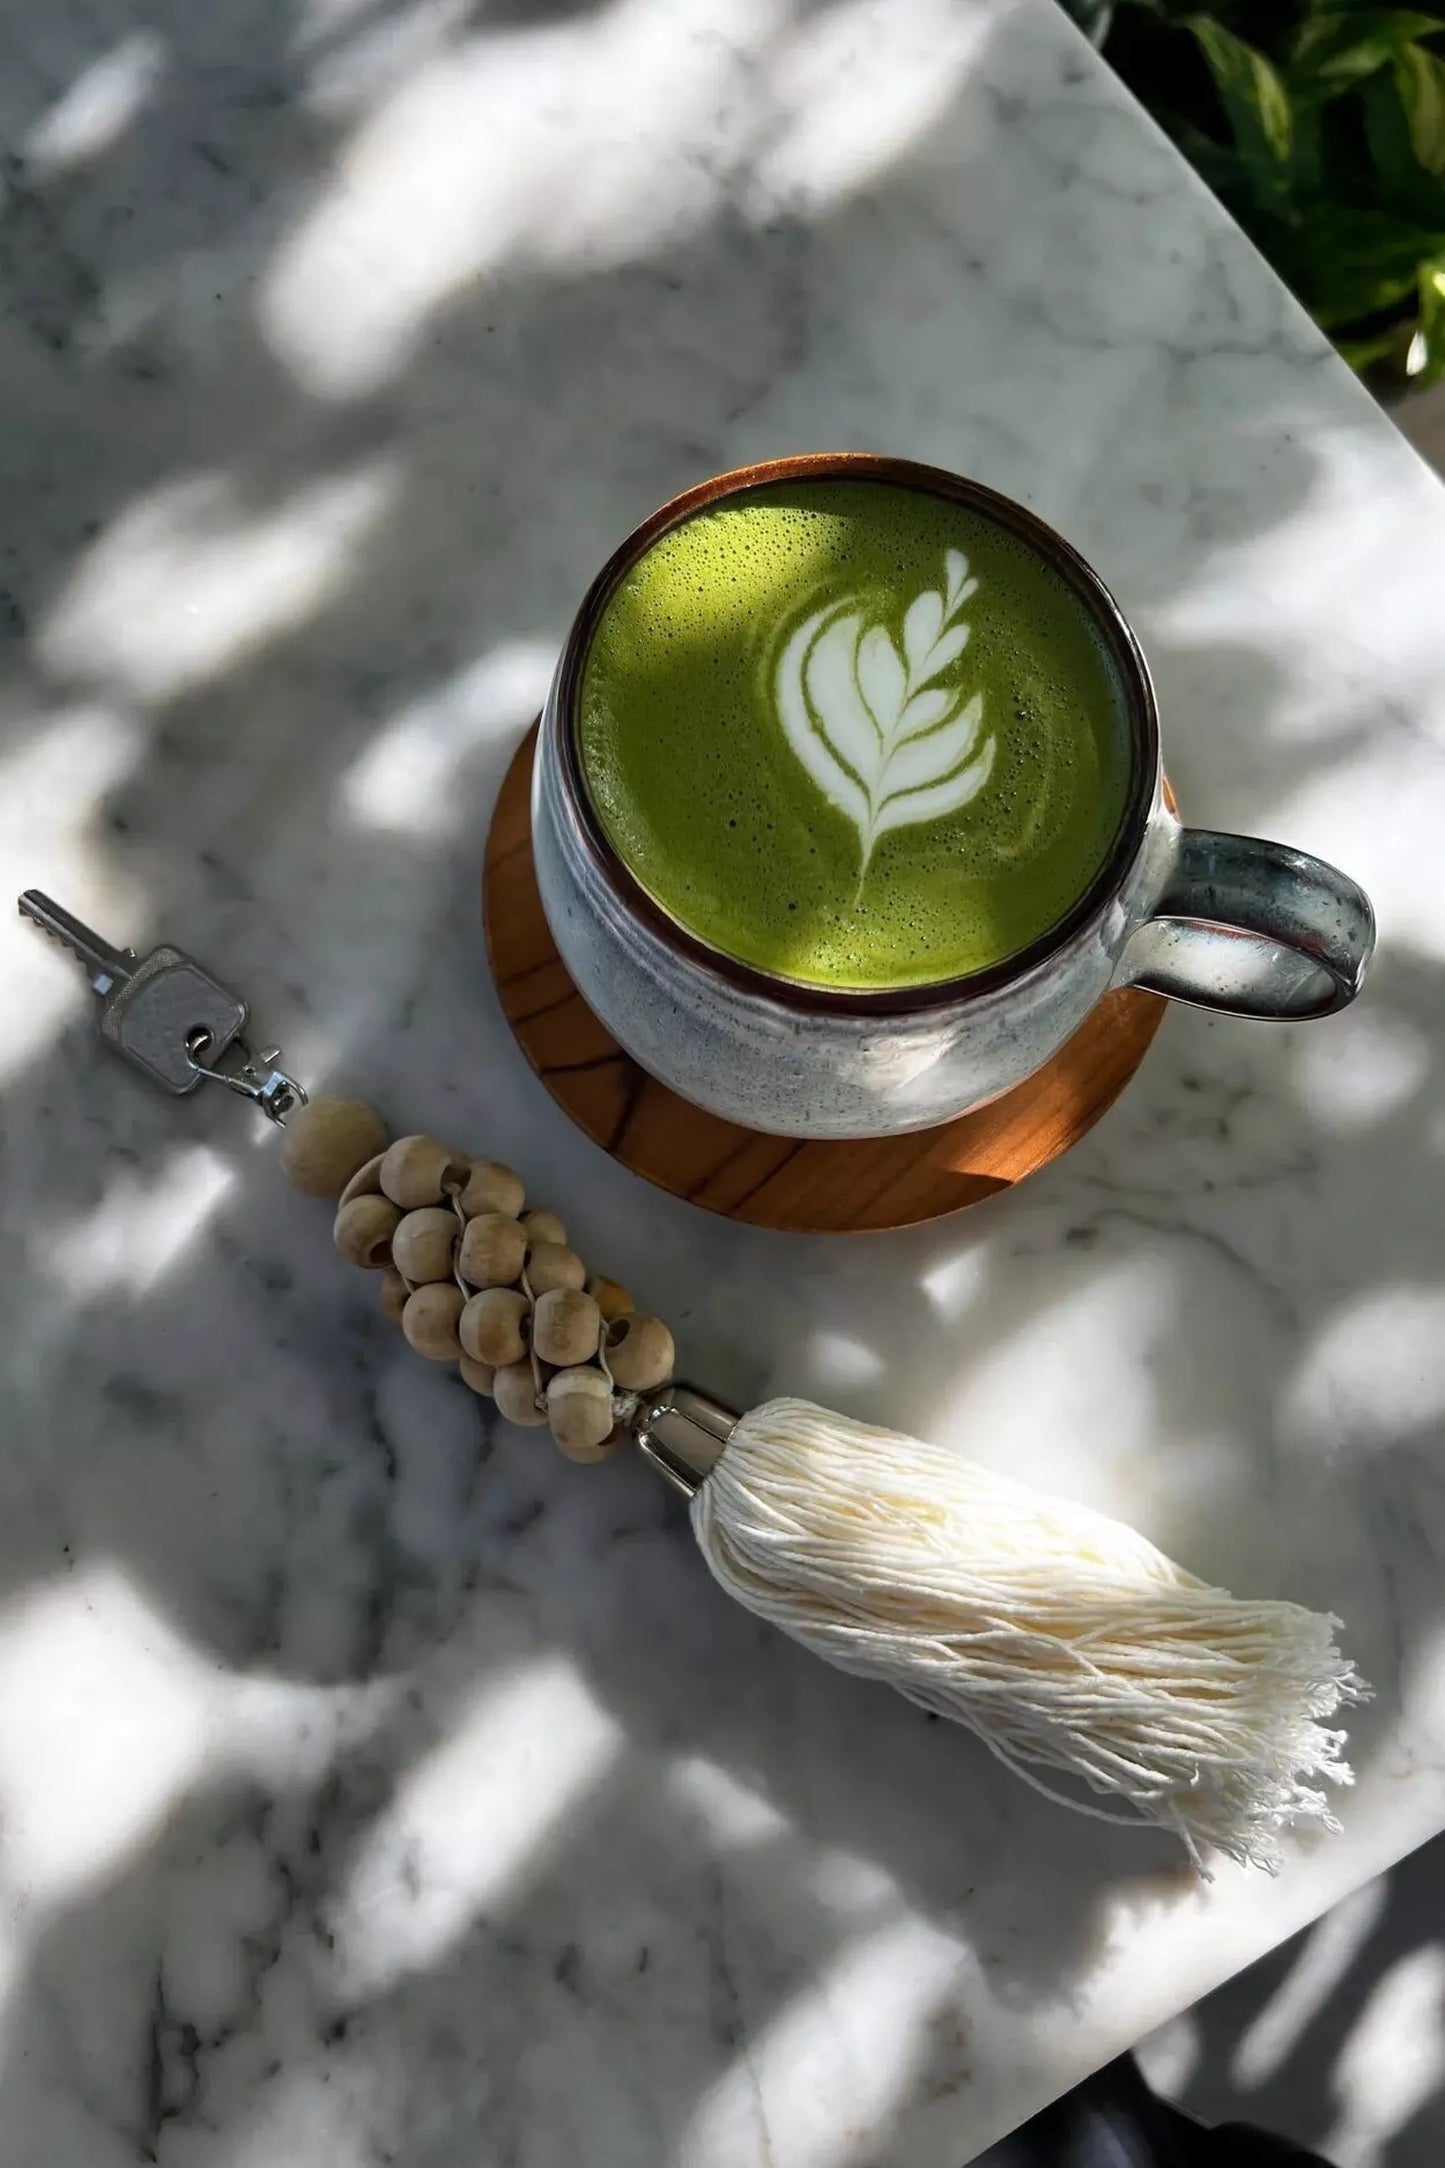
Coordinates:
1225 922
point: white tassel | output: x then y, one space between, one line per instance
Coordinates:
1063 1638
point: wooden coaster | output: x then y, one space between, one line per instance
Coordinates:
816 1188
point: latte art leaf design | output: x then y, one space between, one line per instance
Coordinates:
884 741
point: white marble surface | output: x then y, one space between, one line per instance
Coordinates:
373 1787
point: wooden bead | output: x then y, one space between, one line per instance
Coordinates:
326 1141
419 1170
640 1352
366 1182
424 1243
493 1251
478 1376
544 1227
566 1326
364 1229
430 1321
552 1264
515 1391
492 1325
611 1300
491 1187
579 1410
394 1293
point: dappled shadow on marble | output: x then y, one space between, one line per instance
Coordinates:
227 1420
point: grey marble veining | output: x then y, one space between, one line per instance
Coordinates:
373 1787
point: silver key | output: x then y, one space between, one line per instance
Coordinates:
163 1012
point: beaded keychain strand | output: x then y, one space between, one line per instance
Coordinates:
475 1280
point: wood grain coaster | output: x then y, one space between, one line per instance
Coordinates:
783 1182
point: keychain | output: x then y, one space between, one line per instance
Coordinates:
1062 1638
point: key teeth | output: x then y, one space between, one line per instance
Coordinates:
79 941
48 931
39 920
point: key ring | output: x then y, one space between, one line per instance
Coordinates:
259 1080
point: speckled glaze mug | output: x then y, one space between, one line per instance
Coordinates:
1225 922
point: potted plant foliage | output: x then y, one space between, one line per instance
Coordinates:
1322 128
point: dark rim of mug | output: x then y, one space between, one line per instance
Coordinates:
931 481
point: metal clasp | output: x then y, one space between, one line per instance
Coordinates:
258 1078
684 1433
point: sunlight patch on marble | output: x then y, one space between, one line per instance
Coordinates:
581 146
851 1887
847 105
51 791
103 1724
1353 758
957 1283
467 1826
192 578
735 1815
1170 2056
404 782
1376 1370
1312 564
854 2034
318 20
1376 813
1030 1396
141 1229
578 146
351 67
1324 1959
839 1360
1393 2061
95 110
1367 1066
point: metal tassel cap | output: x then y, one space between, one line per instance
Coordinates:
684 1433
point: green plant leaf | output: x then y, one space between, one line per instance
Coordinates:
1401 184
1218 165
1363 353
1253 95
1420 79
1341 46
1347 265
1432 320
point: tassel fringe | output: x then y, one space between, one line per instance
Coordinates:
1065 1640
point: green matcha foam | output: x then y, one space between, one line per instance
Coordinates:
853 734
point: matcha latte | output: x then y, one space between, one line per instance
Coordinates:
853 734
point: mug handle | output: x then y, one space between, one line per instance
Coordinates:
1254 929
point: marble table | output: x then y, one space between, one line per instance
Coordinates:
374 1787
